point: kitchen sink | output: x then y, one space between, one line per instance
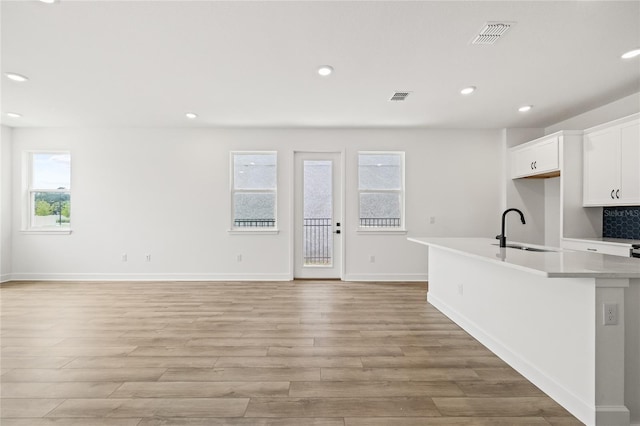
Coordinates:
519 247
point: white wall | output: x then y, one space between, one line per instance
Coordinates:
612 111
5 203
166 192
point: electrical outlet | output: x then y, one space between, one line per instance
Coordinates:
124 257
432 220
610 313
372 259
239 258
148 257
460 289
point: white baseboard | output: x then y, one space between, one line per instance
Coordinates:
28 276
612 415
386 277
583 410
147 277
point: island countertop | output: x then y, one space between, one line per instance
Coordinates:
558 263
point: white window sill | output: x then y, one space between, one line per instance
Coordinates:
46 231
260 231
385 231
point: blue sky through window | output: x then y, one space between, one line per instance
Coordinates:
51 171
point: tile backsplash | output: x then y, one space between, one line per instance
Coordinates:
621 222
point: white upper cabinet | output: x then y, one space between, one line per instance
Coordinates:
612 164
537 158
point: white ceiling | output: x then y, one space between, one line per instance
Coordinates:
147 63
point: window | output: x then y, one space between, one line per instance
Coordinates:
49 191
381 189
253 190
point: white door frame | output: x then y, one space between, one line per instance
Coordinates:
342 197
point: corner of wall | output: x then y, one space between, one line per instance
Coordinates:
6 134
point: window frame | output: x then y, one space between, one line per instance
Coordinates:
233 191
401 229
29 192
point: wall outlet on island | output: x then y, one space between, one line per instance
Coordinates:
610 314
460 289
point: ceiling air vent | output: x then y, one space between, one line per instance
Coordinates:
491 32
399 96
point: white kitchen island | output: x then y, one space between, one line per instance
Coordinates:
543 313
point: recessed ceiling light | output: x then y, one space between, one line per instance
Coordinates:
16 77
525 108
468 90
191 115
631 54
14 115
325 70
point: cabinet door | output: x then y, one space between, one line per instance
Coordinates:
542 157
521 163
601 167
546 156
630 164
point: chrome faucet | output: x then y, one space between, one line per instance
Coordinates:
502 237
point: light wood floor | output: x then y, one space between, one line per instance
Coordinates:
297 353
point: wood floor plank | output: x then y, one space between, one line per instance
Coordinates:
58 389
345 389
199 351
335 351
244 422
142 362
341 407
240 374
432 362
152 407
401 374
27 407
289 361
83 375
35 421
224 389
446 421
486 407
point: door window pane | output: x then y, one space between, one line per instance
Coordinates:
317 238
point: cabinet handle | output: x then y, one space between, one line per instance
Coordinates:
532 165
590 249
612 191
618 194
535 164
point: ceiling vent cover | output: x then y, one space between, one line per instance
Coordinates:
491 32
399 96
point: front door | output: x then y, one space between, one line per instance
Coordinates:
318 210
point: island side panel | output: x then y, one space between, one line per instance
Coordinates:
543 327
632 349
